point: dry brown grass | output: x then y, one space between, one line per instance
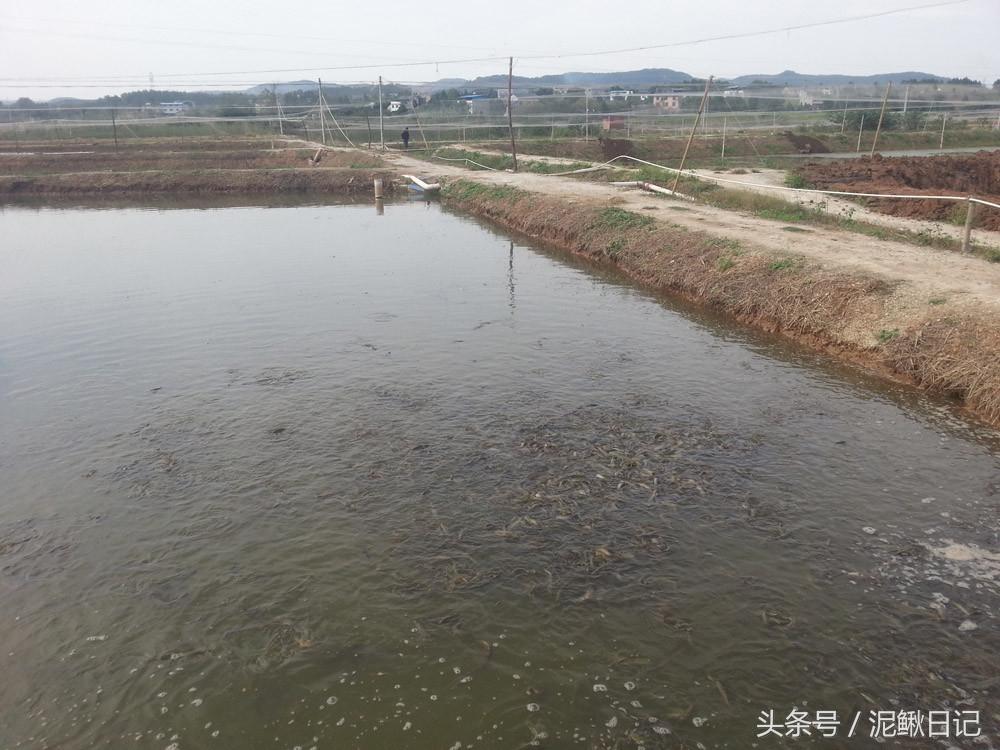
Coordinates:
958 356
179 161
272 181
825 308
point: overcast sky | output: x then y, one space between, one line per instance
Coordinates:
54 48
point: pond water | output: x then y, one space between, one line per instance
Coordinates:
310 476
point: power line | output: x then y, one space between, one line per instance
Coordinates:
667 45
231 32
746 34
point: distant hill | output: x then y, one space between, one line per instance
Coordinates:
289 86
791 78
645 77
628 78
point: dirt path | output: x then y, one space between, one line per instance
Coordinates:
927 273
767 180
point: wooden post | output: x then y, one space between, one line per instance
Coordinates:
861 129
322 118
586 116
906 98
381 127
967 234
421 129
694 128
881 115
277 106
944 121
723 157
843 123
114 128
704 126
510 111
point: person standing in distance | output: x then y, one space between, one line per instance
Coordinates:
406 137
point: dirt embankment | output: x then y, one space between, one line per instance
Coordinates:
48 163
223 181
203 166
957 355
965 174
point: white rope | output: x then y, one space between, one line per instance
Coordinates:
469 161
713 178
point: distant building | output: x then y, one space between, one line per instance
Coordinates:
175 108
394 106
667 101
619 94
613 122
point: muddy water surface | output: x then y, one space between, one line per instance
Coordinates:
306 476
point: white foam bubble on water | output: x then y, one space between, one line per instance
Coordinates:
331 700
532 707
599 688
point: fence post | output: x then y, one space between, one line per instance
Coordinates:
881 114
967 234
944 121
510 112
723 156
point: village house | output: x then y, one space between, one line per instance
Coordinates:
667 101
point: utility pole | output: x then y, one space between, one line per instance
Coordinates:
906 99
860 131
381 127
944 121
277 106
510 111
694 128
114 128
843 122
586 116
322 119
723 156
881 114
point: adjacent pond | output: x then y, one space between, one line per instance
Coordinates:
309 476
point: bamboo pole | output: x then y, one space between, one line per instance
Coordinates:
510 111
881 115
420 128
322 119
381 127
861 129
967 233
694 128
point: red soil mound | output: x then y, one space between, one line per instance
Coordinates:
962 174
